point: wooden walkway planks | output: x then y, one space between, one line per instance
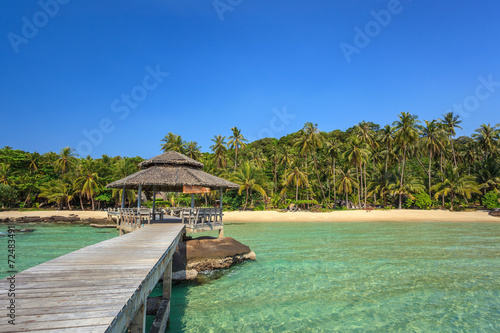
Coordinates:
98 288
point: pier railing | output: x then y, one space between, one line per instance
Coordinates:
195 219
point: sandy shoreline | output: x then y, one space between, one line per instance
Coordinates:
337 216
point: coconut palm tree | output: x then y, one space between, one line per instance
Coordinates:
488 176
4 173
193 150
219 149
346 182
406 134
453 184
173 142
488 137
236 141
250 179
258 158
58 191
357 154
450 122
432 140
33 159
307 143
387 139
65 161
297 177
89 182
412 185
333 151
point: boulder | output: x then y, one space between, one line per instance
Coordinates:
189 274
495 212
208 253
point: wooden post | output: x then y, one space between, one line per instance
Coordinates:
138 324
192 200
221 231
154 202
220 190
139 192
123 196
167 281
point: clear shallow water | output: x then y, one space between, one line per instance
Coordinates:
48 241
323 277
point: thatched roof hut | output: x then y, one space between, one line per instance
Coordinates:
170 172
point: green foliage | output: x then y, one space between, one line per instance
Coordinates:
8 196
408 203
260 207
423 201
491 200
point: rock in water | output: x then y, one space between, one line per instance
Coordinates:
207 253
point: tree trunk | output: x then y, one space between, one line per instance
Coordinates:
297 190
246 200
357 178
402 175
317 176
430 162
366 187
92 198
334 183
81 202
235 156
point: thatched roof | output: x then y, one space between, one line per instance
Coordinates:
170 172
171 158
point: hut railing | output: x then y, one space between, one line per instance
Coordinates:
201 217
133 218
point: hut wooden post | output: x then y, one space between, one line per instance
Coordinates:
221 231
192 200
139 194
123 197
154 202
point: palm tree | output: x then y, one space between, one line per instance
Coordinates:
307 143
487 137
236 141
346 182
173 142
89 182
356 153
33 159
387 139
406 134
433 140
66 160
453 184
258 158
450 122
57 191
381 183
219 149
412 185
193 150
4 173
249 178
488 176
297 176
333 150
367 136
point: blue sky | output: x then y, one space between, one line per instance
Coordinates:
128 72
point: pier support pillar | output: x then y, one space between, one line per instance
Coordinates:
167 281
138 324
161 319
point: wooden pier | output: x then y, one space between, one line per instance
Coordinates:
99 288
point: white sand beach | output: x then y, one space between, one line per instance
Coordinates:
404 215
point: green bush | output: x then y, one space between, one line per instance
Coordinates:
8 196
261 207
408 203
423 200
490 200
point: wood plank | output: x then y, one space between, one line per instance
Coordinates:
94 288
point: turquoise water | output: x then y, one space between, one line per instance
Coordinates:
48 241
326 277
